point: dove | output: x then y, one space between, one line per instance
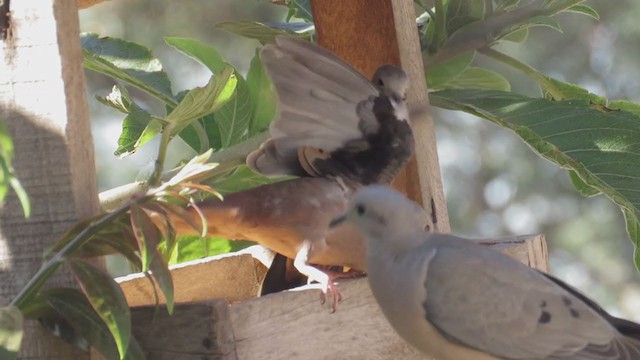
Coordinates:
332 121
336 131
453 299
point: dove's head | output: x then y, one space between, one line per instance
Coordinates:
383 213
393 82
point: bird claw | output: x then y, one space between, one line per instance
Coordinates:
336 297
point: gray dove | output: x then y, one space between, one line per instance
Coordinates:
453 299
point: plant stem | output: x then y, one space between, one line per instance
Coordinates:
539 77
227 158
36 282
440 24
165 138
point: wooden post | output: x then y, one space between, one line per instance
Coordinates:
371 33
43 102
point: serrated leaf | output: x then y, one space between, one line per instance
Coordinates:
478 78
199 102
138 127
128 62
10 332
584 9
263 96
108 301
255 30
600 146
625 105
205 54
568 91
448 70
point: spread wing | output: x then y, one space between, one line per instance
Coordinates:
319 104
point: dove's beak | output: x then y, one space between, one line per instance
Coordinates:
337 221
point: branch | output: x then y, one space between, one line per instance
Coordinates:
228 158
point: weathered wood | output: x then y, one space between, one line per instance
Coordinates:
293 324
391 38
232 277
194 332
43 102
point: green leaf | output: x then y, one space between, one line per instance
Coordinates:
300 9
138 127
478 78
569 91
128 62
519 35
145 233
234 117
199 102
241 179
584 10
108 301
205 54
255 30
193 247
599 145
263 96
625 105
162 275
460 13
118 99
581 186
448 70
21 193
505 4
10 332
75 320
7 178
299 27
544 21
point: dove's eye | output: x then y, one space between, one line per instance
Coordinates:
380 82
360 210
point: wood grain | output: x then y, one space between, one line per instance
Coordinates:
43 103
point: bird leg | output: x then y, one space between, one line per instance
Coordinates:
325 279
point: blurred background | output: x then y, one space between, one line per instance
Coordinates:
494 184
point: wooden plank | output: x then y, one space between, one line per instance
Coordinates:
391 38
43 102
233 277
193 332
293 324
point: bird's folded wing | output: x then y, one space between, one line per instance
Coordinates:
487 301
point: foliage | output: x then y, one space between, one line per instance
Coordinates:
7 177
582 132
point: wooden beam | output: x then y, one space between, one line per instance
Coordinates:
292 324
43 102
371 33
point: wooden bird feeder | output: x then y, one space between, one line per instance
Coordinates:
217 316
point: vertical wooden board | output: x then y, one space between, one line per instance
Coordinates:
371 33
43 103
